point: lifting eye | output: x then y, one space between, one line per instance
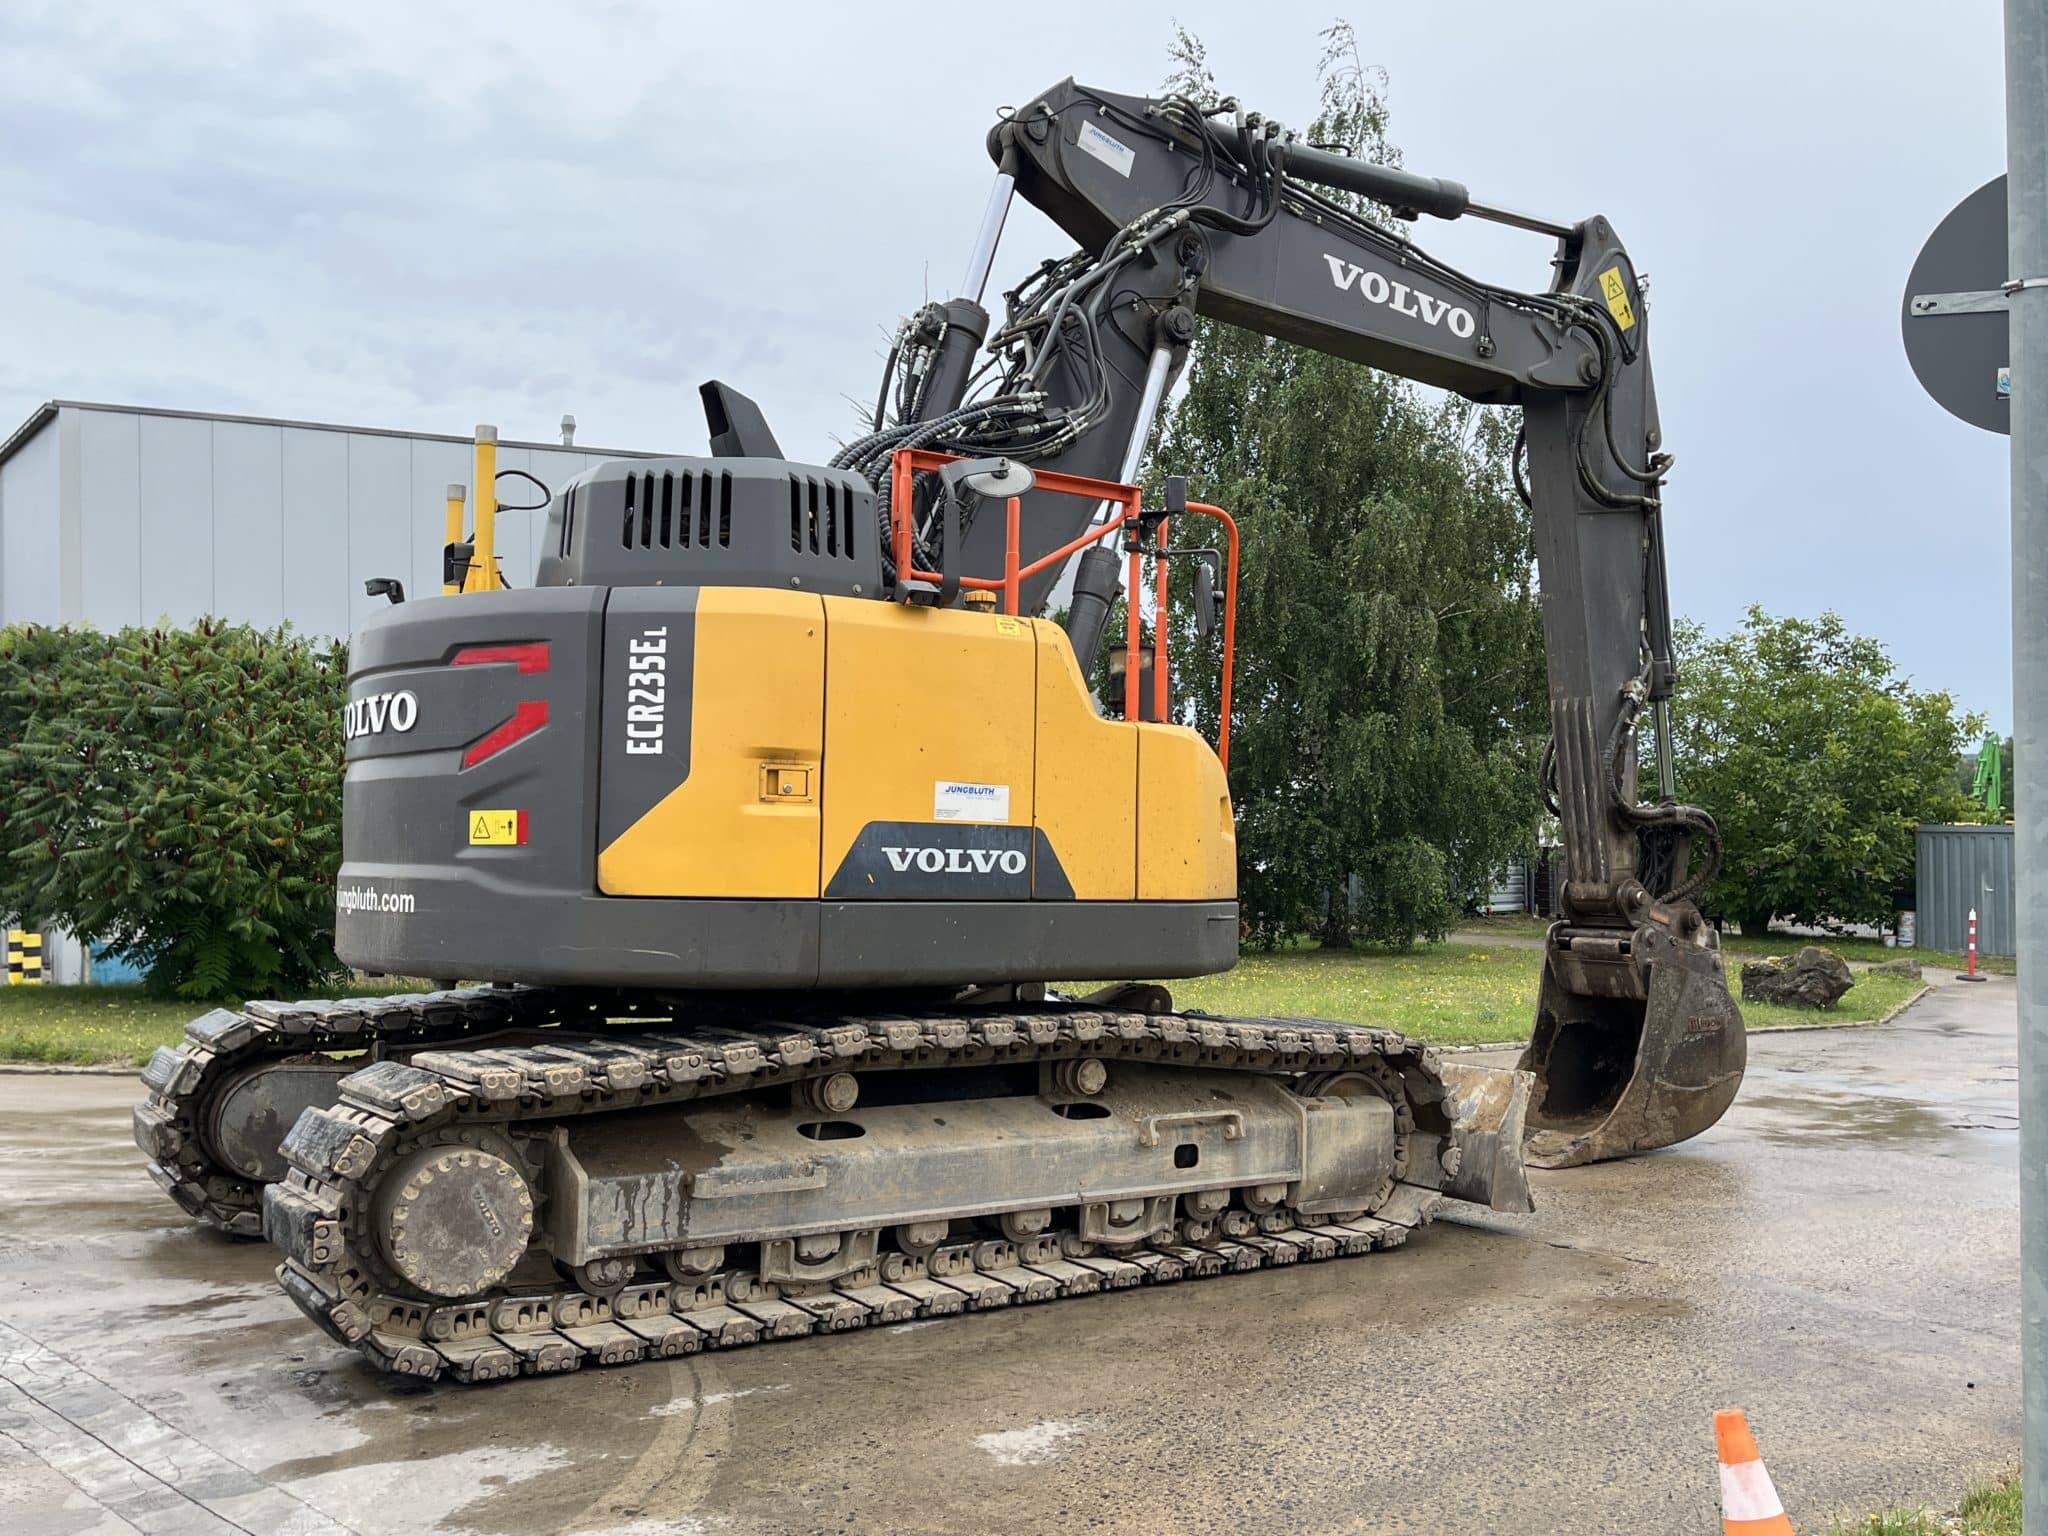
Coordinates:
830 1130
1186 1155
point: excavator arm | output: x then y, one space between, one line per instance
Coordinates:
1181 211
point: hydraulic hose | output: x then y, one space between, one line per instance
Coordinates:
1689 818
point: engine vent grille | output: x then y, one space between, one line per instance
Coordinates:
678 510
820 517
568 520
715 522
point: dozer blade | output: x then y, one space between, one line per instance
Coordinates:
1637 1045
1490 1106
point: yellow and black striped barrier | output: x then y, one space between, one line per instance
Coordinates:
24 958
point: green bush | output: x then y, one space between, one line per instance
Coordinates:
176 793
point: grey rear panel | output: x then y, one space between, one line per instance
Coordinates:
407 799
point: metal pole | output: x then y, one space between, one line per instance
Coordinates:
457 496
483 569
1156 369
1148 412
1667 775
2026 158
992 217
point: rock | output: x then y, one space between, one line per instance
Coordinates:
1813 978
1904 968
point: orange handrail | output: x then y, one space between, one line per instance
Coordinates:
907 462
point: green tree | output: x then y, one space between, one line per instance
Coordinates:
178 794
1389 671
1818 760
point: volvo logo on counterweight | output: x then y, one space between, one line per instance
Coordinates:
1378 288
377 713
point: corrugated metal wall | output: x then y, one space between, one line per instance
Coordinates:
1958 868
1510 892
115 517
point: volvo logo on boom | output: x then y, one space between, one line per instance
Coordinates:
376 713
1378 288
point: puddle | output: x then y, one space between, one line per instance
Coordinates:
433 1491
1031 1445
1821 1114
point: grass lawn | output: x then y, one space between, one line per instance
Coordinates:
87 1024
1989 1509
1740 946
1452 994
1449 994
96 1026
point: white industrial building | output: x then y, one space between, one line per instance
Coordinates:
112 515
117 514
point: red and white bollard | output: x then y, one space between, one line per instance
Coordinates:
1971 973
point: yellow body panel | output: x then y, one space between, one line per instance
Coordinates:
1187 839
915 698
1087 779
746 820
812 718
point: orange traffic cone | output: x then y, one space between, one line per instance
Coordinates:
1749 1504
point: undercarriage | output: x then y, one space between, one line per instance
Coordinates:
510 1191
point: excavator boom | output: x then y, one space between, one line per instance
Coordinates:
1637 1042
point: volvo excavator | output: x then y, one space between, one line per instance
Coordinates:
764 826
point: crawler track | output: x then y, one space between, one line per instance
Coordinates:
319 1215
183 1080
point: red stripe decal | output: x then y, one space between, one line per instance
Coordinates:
529 717
531 658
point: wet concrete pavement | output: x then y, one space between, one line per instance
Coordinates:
1840 1257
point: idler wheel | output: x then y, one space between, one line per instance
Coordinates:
1086 1076
453 1220
834 1095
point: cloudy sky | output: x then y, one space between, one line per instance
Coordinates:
424 216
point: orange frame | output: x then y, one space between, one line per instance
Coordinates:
906 462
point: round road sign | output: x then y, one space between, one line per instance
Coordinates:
1959 353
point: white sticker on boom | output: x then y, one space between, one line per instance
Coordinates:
954 801
1115 154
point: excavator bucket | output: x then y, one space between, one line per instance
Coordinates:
1489 1113
1637 1044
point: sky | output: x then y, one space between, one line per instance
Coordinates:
428 216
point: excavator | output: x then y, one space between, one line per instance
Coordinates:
763 828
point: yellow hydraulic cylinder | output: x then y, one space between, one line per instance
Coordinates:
457 495
483 565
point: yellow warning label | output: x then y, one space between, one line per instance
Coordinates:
1616 290
1005 625
497 828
